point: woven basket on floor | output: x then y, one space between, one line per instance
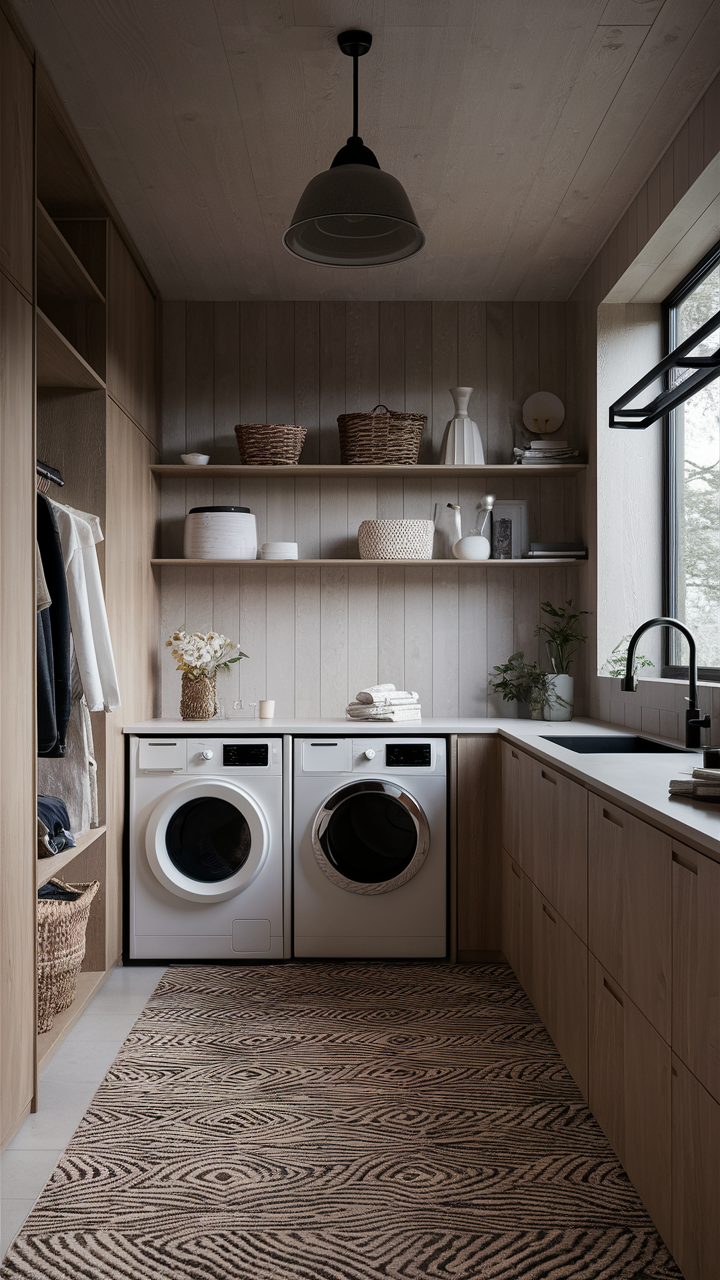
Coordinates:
269 444
61 930
392 439
396 539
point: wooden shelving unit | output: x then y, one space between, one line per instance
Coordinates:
58 363
173 471
48 868
373 564
61 274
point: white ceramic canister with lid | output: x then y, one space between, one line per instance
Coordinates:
220 533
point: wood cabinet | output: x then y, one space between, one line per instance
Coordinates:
517 921
516 803
629 907
16 159
695 1176
557 836
559 985
476 809
629 1091
131 337
696 964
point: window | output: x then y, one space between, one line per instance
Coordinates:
692 550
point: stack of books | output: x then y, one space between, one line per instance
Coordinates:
544 453
557 551
704 785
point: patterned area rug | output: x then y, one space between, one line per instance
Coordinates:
339 1121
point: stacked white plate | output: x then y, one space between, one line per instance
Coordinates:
220 533
279 551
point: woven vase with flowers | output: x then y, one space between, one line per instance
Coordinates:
199 657
198 700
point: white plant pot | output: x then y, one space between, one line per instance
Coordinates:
562 693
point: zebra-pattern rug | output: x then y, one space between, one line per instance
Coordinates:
339 1121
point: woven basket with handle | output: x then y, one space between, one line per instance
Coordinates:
392 439
269 444
61 930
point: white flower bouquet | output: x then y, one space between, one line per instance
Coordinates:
199 655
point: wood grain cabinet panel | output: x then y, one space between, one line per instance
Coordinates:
695 1176
559 986
559 838
517 921
131 337
630 907
516 805
479 870
629 1091
16 158
696 964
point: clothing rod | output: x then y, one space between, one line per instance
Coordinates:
49 473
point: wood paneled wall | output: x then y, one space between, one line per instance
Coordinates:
316 635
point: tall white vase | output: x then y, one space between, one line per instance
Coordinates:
462 445
562 698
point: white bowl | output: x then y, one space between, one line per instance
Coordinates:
279 551
195 459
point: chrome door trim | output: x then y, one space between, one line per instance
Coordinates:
325 812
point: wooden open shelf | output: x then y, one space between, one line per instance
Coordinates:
47 1043
376 564
48 868
58 363
61 274
174 471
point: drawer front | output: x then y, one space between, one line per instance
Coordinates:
695 1176
630 907
514 798
559 985
696 964
559 837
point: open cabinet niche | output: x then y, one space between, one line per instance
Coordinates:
92 415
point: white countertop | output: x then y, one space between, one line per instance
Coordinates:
639 782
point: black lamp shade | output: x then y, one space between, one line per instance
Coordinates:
354 215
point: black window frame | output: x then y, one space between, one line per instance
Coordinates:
670 671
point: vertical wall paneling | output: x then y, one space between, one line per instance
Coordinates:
315 636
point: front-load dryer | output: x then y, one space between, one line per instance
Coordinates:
207 865
369 847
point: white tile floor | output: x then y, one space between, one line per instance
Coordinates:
66 1089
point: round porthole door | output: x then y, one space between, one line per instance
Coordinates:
370 837
206 841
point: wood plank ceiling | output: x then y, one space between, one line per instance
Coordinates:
521 129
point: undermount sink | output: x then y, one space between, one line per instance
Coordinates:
608 744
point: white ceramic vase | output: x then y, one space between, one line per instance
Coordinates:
462 444
562 695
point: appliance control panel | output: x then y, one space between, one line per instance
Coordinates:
380 756
211 756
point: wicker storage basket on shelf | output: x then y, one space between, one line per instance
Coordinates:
396 539
61 930
269 444
392 439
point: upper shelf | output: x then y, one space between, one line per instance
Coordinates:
178 471
58 363
61 274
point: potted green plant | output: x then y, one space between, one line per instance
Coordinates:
524 683
616 663
562 631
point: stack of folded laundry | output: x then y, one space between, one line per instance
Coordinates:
384 702
704 785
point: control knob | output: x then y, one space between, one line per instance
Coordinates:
206 755
370 753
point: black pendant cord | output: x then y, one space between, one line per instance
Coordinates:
355 96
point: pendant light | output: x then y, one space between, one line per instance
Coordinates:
353 214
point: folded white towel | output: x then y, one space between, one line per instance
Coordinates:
378 714
380 697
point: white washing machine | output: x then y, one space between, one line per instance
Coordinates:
370 847
209 823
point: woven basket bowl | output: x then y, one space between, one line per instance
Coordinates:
61 930
396 539
392 439
269 444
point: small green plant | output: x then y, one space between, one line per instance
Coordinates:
617 662
521 681
562 631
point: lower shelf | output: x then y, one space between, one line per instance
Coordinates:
48 868
359 564
49 1041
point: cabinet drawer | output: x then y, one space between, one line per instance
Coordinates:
516 802
695 1176
559 985
629 1091
517 921
559 843
696 964
629 907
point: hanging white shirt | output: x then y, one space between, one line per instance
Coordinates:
79 532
